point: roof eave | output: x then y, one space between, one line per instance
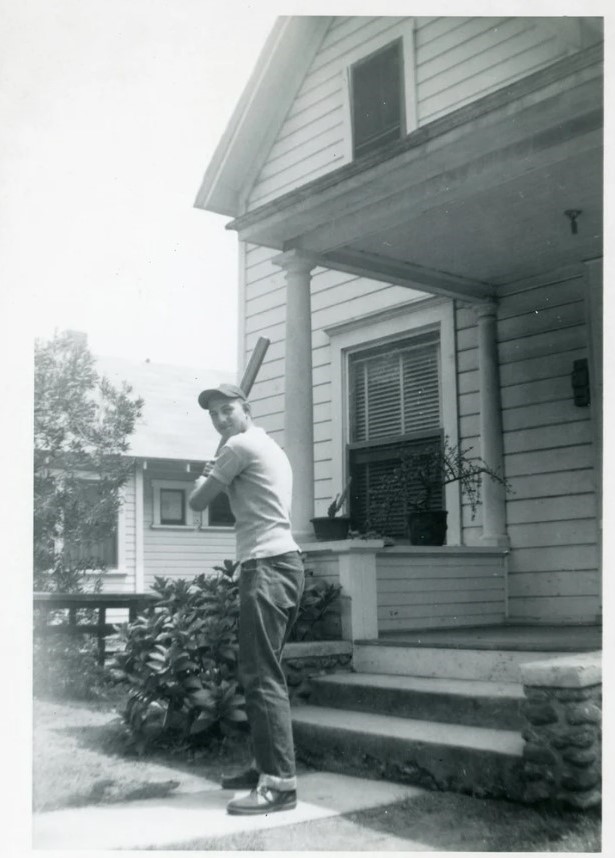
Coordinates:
262 107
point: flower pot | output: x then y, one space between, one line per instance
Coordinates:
427 527
327 528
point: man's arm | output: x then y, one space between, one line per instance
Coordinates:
204 491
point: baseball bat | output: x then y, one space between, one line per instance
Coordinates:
254 364
251 370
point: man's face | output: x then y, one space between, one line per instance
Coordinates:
228 416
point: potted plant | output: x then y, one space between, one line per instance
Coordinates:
419 480
333 526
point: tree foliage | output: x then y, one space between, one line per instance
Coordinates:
82 425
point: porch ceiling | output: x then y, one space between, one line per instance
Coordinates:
467 204
504 232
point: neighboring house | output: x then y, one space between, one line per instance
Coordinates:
158 534
418 203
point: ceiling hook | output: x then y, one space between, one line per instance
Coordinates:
572 215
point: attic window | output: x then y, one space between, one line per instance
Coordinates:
376 92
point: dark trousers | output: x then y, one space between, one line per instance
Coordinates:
270 590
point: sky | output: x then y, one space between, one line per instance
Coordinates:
110 111
114 109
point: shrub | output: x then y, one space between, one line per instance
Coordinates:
179 658
317 618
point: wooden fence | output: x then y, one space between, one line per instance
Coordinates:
47 603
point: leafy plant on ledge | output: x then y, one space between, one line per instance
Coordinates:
332 526
419 480
338 502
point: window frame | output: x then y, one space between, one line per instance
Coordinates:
173 485
397 46
198 520
393 324
120 568
405 33
184 506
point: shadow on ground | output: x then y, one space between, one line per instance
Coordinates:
429 822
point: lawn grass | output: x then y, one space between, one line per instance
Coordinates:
80 757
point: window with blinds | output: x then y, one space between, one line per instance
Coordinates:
395 409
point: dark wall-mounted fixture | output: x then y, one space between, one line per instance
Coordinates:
572 215
580 382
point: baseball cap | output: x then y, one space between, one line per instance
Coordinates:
231 391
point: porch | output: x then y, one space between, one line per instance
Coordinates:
477 239
502 710
518 637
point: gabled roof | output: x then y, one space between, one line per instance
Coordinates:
172 425
273 86
260 112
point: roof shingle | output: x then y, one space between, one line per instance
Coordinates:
172 425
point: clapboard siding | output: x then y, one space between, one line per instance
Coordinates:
569 582
416 590
179 552
457 61
313 139
578 558
322 567
460 60
563 609
127 531
336 297
549 457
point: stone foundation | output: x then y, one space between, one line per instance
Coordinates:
302 661
563 712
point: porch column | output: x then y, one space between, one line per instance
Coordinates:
490 425
298 401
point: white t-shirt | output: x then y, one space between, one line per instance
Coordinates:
259 483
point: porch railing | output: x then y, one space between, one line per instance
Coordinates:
46 603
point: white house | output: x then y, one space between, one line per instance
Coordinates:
157 533
418 204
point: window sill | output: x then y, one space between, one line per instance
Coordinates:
110 573
174 526
217 528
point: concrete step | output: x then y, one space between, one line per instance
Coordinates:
452 701
475 760
442 662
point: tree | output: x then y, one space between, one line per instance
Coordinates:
82 426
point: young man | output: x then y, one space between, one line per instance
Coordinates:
256 474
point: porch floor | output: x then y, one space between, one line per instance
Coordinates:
511 636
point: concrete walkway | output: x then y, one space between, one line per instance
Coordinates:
198 810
